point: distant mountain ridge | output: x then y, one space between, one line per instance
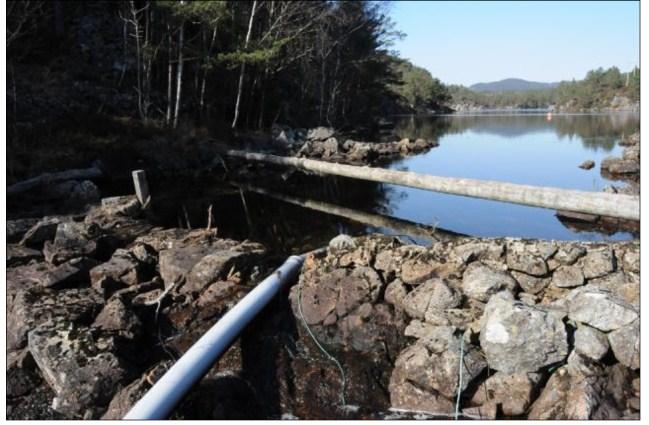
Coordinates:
512 84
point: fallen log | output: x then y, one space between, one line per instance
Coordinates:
400 226
77 174
612 205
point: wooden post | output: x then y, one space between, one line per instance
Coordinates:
598 203
141 187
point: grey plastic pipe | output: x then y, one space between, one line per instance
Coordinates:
162 398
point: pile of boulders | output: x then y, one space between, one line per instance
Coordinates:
519 329
99 306
326 144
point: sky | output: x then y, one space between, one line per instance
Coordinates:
466 42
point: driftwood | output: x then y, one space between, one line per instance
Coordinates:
78 174
612 205
400 226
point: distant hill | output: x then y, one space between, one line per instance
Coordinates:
512 84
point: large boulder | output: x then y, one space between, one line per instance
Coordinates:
568 277
519 338
33 307
80 367
600 309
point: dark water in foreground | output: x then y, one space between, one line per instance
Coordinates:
524 148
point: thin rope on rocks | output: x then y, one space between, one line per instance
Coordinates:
459 386
325 352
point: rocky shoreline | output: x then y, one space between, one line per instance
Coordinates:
324 143
99 305
626 169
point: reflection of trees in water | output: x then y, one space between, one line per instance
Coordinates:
595 131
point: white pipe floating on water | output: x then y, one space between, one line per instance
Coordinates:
163 397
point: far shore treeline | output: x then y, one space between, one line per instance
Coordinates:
86 75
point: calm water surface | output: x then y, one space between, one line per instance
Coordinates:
517 148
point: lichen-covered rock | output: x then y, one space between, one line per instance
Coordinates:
591 342
25 277
416 271
598 263
409 397
199 264
69 274
531 284
519 338
472 251
527 262
570 254
625 343
122 270
431 297
514 392
225 258
480 282
118 319
600 309
35 306
395 293
338 292
625 286
572 397
631 261
568 277
72 240
433 363
80 368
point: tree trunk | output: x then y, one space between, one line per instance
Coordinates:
170 72
237 104
179 81
606 204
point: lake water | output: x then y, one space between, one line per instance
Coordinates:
518 148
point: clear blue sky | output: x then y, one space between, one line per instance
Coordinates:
465 42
